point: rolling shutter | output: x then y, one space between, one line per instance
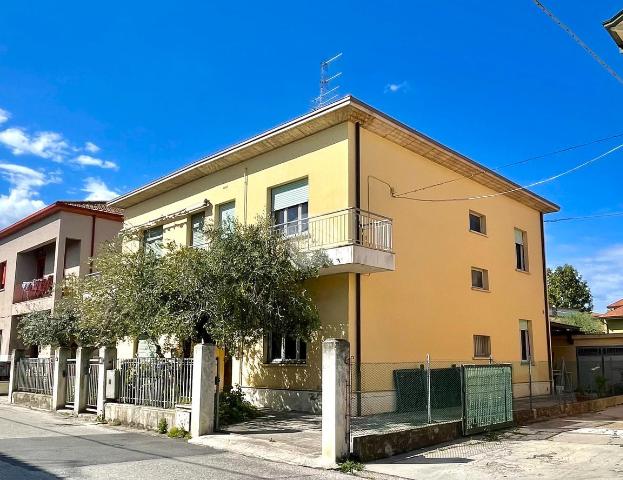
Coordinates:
227 212
291 194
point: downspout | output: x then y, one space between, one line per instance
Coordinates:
246 190
548 331
93 218
358 275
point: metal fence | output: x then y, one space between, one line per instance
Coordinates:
351 226
5 371
94 368
155 382
70 384
34 375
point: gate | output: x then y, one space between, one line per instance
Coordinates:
70 384
488 397
92 388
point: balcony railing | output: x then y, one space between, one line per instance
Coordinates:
37 288
351 226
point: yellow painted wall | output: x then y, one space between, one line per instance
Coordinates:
615 326
427 304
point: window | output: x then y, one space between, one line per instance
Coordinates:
480 278
2 275
279 348
152 240
482 346
290 207
520 250
477 223
226 213
526 343
197 229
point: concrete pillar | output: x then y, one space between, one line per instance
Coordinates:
17 355
83 355
108 355
204 389
335 419
59 380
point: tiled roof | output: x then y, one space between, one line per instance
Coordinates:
614 313
618 303
97 206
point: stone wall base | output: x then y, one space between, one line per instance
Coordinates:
139 416
308 401
32 400
523 417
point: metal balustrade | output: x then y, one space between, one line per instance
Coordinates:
94 368
351 226
156 382
35 375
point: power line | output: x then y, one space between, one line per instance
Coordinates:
524 187
518 162
584 217
578 40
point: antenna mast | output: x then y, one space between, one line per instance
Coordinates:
326 94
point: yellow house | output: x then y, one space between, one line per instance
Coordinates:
455 271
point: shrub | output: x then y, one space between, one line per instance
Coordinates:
163 426
177 432
351 466
234 407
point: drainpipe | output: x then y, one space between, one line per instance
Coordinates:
246 190
93 217
358 275
548 331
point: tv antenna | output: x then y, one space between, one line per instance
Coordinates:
327 94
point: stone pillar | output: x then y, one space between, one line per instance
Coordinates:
59 380
204 389
108 356
17 355
335 419
83 356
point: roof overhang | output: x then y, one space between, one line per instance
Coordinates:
614 26
343 110
51 210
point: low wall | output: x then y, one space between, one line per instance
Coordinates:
138 416
374 447
523 417
32 400
308 401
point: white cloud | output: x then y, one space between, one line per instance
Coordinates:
50 145
98 190
89 161
4 115
604 273
395 87
91 147
22 197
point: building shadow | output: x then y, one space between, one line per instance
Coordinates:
14 469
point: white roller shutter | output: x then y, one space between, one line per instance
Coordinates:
291 194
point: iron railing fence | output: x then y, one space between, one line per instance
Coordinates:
70 384
94 367
35 375
351 226
5 371
156 382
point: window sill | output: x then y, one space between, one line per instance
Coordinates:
527 362
478 289
482 234
488 357
286 363
527 272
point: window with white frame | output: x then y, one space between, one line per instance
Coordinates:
153 240
525 340
521 250
227 213
282 348
197 229
290 207
477 223
482 346
480 278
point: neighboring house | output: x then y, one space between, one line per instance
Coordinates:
614 26
613 317
459 280
39 251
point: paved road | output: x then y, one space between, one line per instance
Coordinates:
43 446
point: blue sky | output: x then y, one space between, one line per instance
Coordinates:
101 98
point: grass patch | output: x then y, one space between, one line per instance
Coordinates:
351 466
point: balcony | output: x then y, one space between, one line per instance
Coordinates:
34 289
354 240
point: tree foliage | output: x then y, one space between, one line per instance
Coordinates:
567 289
249 280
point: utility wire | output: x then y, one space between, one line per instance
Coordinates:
584 217
524 187
518 162
578 40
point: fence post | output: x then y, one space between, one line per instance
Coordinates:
335 419
108 356
203 390
17 356
429 415
59 379
530 378
82 379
